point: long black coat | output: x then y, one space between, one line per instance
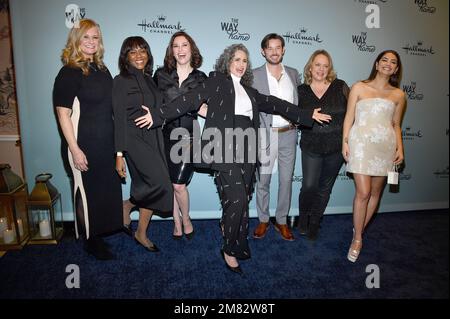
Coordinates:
218 92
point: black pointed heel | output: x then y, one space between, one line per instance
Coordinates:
190 235
152 249
236 270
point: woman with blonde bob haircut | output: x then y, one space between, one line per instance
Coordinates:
82 96
321 144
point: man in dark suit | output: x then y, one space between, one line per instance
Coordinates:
279 144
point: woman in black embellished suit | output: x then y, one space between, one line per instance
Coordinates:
142 148
179 75
232 105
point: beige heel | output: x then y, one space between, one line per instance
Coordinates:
353 254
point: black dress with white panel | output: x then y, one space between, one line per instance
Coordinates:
90 99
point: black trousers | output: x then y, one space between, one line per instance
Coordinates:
235 188
319 174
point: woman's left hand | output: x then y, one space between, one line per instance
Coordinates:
320 117
398 157
146 120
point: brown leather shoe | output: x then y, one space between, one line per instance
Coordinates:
261 230
284 231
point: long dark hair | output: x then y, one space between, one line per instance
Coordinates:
170 63
395 78
129 44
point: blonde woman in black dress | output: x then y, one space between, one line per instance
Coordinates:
82 98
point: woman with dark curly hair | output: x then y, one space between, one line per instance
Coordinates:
179 75
143 149
230 141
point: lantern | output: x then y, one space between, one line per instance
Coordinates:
13 210
45 212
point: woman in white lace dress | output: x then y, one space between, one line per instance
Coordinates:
372 138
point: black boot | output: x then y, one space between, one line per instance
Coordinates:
98 248
303 221
314 226
313 231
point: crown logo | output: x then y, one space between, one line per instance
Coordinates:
303 30
162 17
419 43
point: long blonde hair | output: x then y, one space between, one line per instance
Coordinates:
307 70
72 55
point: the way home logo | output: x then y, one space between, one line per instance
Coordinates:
418 49
73 15
297 178
360 40
423 6
411 92
160 25
441 173
231 29
409 134
302 37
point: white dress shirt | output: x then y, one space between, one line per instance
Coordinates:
282 89
243 105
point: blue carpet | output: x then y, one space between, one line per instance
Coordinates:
411 250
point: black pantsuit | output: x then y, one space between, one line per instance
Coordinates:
235 188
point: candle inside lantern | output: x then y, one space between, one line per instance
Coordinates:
8 236
44 228
3 225
20 226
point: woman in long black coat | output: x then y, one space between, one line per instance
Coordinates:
143 149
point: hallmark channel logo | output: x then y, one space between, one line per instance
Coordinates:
160 25
73 15
360 40
371 1
443 173
231 29
423 6
409 134
411 92
418 49
302 37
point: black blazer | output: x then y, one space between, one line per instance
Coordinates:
130 92
168 84
218 92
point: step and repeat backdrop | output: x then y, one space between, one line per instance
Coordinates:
353 31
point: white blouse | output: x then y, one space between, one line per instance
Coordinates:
243 105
